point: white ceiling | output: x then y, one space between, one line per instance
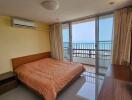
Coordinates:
69 9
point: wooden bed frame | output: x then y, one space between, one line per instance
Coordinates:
16 62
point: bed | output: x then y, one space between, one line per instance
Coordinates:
45 75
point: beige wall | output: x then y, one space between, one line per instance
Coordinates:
16 42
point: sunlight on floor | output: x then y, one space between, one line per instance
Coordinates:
90 68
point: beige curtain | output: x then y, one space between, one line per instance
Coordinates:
122 36
56 41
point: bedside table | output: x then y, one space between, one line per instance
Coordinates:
8 81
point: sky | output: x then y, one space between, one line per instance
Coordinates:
85 32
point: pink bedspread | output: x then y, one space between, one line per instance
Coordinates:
48 76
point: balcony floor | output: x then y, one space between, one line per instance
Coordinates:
92 69
89 64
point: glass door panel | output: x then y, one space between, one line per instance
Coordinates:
83 43
66 42
104 43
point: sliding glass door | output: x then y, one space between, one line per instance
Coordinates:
104 43
83 42
89 42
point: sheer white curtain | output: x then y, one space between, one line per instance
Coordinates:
56 41
122 36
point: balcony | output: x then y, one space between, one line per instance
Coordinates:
85 53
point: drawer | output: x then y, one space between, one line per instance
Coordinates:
7 80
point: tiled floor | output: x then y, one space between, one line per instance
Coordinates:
86 87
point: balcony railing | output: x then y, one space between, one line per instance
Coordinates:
87 50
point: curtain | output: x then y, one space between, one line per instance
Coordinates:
56 41
122 36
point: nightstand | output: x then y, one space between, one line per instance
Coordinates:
8 81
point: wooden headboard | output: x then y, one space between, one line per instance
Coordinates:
16 62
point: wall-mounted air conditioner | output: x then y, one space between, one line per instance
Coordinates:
18 22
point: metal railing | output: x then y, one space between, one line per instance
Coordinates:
87 50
